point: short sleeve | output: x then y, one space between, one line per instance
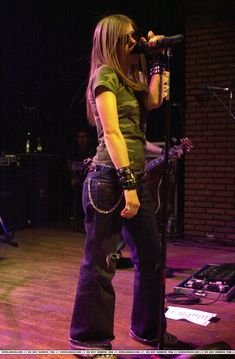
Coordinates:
107 77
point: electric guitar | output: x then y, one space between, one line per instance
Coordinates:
185 145
156 181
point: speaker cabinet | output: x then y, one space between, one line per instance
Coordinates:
14 196
24 192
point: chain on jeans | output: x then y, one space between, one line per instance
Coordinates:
93 203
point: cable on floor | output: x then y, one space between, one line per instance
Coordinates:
182 298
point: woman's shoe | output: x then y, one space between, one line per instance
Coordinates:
86 347
169 340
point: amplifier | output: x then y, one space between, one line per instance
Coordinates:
8 160
24 191
211 281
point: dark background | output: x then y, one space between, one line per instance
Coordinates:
45 51
45 61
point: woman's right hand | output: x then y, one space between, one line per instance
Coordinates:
165 84
132 204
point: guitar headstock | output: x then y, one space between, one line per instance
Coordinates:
177 151
186 144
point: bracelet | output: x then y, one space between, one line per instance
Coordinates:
126 178
157 66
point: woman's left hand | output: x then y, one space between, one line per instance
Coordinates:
153 39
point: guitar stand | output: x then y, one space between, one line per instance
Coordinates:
9 235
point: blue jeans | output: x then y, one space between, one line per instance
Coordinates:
93 314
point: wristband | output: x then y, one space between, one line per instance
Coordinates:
157 66
126 178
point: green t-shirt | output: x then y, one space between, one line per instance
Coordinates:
132 119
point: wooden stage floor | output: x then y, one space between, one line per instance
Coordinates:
38 283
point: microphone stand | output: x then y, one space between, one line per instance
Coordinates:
166 43
168 53
228 109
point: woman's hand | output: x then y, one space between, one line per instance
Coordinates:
176 152
166 83
132 204
153 39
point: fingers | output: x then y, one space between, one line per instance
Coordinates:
150 35
152 39
166 80
165 91
129 211
143 39
177 152
166 77
132 204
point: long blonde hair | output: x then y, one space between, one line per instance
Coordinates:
108 39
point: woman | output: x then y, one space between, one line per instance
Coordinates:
115 196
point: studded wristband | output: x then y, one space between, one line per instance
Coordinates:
126 178
157 66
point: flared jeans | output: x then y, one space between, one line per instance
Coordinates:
94 308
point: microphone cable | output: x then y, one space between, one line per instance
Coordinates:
187 299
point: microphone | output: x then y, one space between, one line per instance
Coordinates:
167 41
215 89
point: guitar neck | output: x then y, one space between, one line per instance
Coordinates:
186 144
154 163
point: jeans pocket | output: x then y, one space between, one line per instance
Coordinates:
104 194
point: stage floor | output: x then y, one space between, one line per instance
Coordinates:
38 283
